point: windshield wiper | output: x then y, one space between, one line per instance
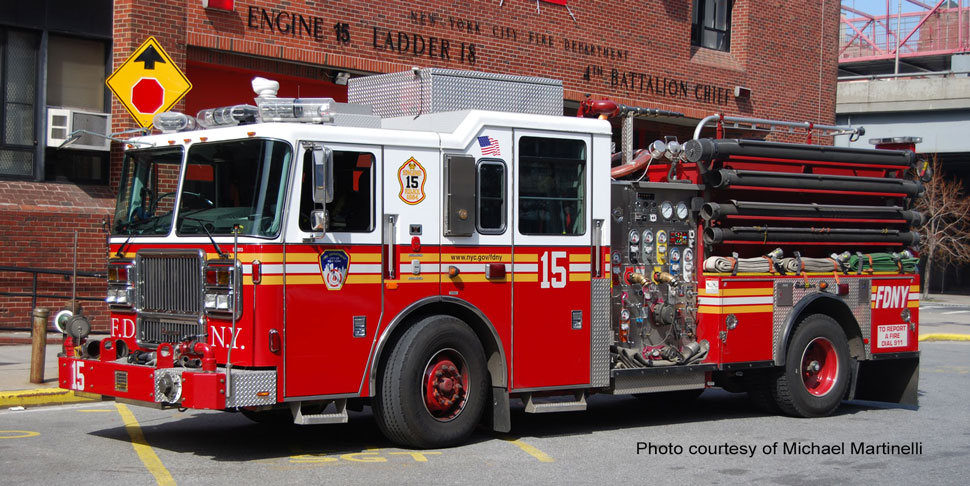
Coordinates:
202 223
130 226
121 250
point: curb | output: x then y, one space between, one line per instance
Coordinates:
43 396
944 337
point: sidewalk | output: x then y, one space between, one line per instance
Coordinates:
16 390
948 300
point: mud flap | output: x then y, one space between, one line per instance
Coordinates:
894 380
499 416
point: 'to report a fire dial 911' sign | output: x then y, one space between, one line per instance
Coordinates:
148 82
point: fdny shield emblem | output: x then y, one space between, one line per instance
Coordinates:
334 264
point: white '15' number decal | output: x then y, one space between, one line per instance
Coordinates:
78 376
552 268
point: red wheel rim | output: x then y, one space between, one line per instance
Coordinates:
820 367
444 385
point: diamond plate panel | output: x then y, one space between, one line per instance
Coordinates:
246 384
434 90
861 311
176 375
658 383
601 333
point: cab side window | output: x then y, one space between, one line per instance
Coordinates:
552 187
352 209
491 197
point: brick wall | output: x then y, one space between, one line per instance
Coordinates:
38 222
785 55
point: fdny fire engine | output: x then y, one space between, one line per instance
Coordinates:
448 242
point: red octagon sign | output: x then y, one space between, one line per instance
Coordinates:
147 95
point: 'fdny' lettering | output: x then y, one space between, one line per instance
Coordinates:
222 337
892 297
122 327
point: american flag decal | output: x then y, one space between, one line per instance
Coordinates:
489 146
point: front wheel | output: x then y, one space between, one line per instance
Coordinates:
816 374
431 392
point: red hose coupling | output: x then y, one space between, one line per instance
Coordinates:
208 356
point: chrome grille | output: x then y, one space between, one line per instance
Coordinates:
152 331
171 283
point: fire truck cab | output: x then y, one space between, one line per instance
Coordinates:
427 251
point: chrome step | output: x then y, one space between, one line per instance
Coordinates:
338 416
555 404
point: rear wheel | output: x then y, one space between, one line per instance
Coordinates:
816 374
432 390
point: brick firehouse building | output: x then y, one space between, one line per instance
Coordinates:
749 58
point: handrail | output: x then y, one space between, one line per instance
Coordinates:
34 295
773 125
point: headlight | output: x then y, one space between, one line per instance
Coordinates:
222 284
121 283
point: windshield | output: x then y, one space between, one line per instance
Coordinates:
146 192
235 183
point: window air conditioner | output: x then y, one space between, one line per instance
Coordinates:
61 122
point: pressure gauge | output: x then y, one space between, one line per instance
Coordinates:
666 210
634 237
661 237
688 255
681 210
647 238
674 255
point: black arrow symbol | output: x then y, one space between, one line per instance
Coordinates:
150 56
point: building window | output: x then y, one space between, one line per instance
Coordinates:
552 186
76 73
711 24
18 82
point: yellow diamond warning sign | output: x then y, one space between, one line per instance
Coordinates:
148 82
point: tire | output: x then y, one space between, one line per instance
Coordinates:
816 374
431 392
760 385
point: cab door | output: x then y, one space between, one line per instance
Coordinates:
333 282
551 262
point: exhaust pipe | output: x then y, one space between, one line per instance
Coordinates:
726 178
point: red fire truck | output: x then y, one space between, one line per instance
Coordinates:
448 241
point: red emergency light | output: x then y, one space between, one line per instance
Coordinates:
219 4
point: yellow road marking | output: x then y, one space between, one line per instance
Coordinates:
530 449
144 451
17 434
945 337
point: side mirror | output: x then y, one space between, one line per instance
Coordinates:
322 175
318 220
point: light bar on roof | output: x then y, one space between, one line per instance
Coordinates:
307 110
173 121
227 116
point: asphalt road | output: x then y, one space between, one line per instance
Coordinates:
109 443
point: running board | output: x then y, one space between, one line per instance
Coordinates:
339 416
577 404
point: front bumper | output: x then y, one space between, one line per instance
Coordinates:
174 387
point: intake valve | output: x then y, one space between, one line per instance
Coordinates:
665 278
